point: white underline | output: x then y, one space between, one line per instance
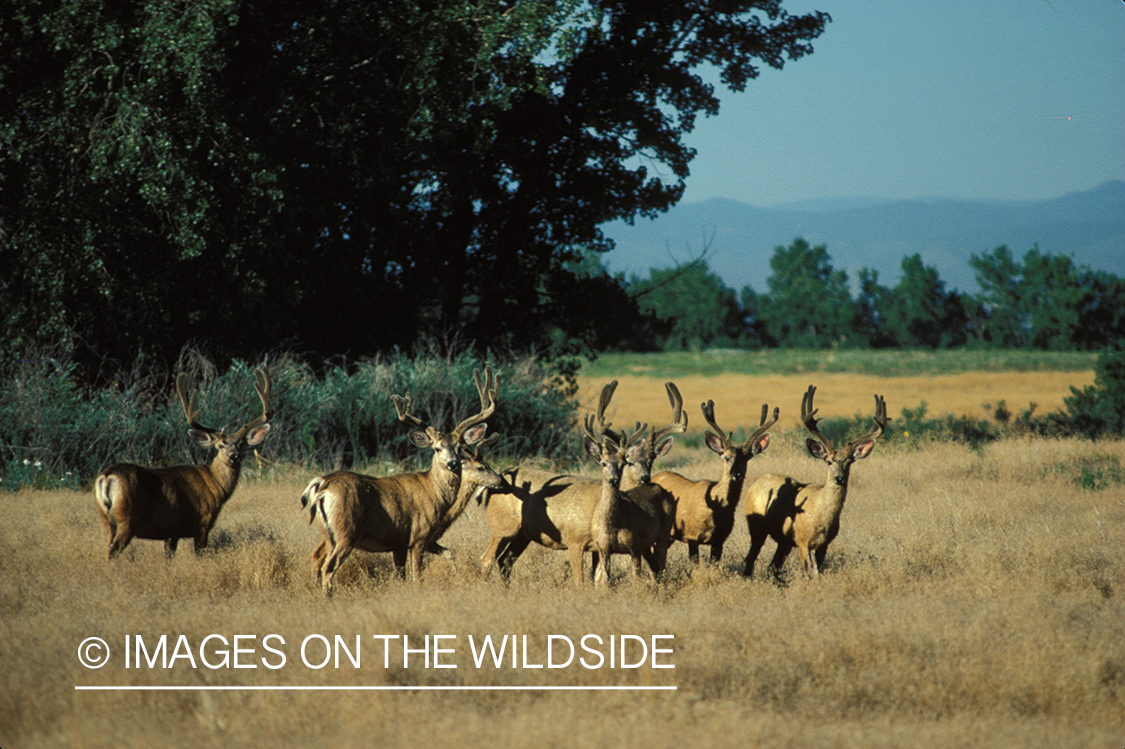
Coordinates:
371 689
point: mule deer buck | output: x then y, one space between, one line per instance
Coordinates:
181 501
557 512
705 509
477 476
806 515
404 514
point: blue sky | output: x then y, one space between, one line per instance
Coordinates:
993 99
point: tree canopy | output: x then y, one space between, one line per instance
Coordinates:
337 177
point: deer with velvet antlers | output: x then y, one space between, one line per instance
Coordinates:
404 514
801 515
705 509
181 501
560 512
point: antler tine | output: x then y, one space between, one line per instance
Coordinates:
488 391
808 416
880 423
402 406
596 426
588 429
628 439
189 404
679 416
262 385
708 409
765 425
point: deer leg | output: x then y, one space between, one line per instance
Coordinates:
399 556
821 552
577 571
200 541
660 554
693 552
512 552
318 555
758 537
601 573
121 537
783 549
332 563
716 552
170 545
415 557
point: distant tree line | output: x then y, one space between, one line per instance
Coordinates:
1041 301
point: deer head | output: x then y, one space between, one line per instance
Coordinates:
735 457
447 447
840 461
230 446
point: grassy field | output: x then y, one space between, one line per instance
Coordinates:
973 598
965 383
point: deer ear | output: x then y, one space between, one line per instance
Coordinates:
420 438
664 446
713 442
863 449
594 449
816 449
634 452
761 444
257 435
203 439
474 435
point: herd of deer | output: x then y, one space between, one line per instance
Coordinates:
627 511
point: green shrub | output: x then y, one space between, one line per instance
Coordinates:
53 433
1098 410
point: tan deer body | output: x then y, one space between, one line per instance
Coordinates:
404 514
560 512
181 501
802 515
476 476
704 510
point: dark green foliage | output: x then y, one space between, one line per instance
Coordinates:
342 178
809 305
53 433
700 311
1099 410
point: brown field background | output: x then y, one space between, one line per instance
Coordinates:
973 598
738 398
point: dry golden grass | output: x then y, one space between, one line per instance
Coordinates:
741 396
973 598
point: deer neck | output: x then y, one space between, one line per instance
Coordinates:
728 488
833 493
224 473
602 520
446 483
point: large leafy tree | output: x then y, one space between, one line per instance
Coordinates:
339 176
701 311
1046 301
919 311
809 304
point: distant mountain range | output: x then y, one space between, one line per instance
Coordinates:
1089 226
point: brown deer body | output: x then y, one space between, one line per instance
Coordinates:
558 512
802 515
476 477
404 514
181 501
705 509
